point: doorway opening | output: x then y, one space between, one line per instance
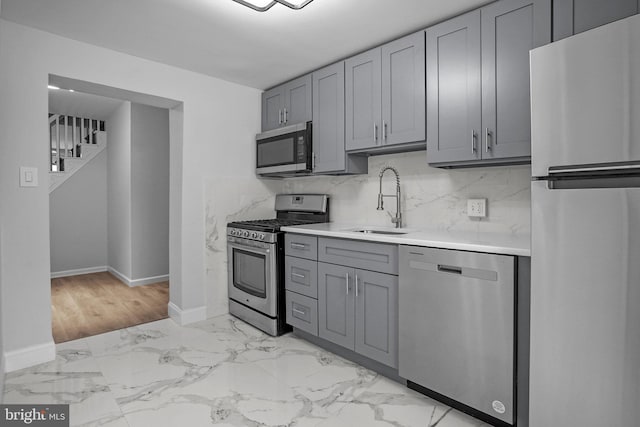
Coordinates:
109 207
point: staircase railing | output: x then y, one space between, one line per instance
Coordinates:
67 135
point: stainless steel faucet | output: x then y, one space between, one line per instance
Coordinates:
397 220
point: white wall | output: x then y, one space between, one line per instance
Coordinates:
118 127
220 120
149 191
78 219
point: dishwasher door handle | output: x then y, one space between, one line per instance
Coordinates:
449 269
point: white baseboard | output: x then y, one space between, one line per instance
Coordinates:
149 280
79 271
30 356
2 371
137 282
185 317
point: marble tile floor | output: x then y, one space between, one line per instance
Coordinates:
218 372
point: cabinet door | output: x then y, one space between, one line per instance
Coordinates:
575 16
297 101
328 118
272 104
377 316
510 29
363 100
403 102
453 89
336 299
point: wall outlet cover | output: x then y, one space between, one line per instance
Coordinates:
477 208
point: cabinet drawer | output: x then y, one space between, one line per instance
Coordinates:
302 312
301 246
364 255
301 276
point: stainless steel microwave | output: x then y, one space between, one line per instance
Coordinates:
286 151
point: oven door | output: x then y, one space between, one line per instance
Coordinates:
253 276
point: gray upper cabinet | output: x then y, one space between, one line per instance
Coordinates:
510 29
287 104
482 115
328 124
453 89
363 100
385 102
336 304
403 90
377 316
575 16
272 104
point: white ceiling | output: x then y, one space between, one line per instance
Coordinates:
80 104
224 39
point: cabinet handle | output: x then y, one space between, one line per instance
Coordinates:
375 132
356 285
286 118
295 310
487 135
346 286
384 131
297 246
301 276
279 117
473 142
313 161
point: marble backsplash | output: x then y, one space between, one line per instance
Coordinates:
431 199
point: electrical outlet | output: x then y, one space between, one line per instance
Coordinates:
477 208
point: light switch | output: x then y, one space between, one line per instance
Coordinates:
28 176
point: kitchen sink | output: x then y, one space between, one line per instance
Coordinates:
378 231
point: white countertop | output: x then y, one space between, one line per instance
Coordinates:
495 243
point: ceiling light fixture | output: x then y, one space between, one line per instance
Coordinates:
52 87
264 5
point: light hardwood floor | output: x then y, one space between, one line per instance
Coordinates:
92 304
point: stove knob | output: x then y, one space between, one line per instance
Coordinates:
254 235
232 232
261 237
246 234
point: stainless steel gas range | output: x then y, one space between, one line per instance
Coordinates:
255 251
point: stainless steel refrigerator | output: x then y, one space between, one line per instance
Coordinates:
585 280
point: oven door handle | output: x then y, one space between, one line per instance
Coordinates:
261 251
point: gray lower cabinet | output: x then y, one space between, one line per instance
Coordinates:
336 304
377 316
385 96
301 276
575 16
301 246
357 309
287 104
329 154
381 257
478 99
302 312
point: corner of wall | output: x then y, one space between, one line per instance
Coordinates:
187 316
29 356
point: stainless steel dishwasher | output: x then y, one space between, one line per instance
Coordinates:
457 328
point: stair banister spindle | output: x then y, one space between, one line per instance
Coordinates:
58 143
